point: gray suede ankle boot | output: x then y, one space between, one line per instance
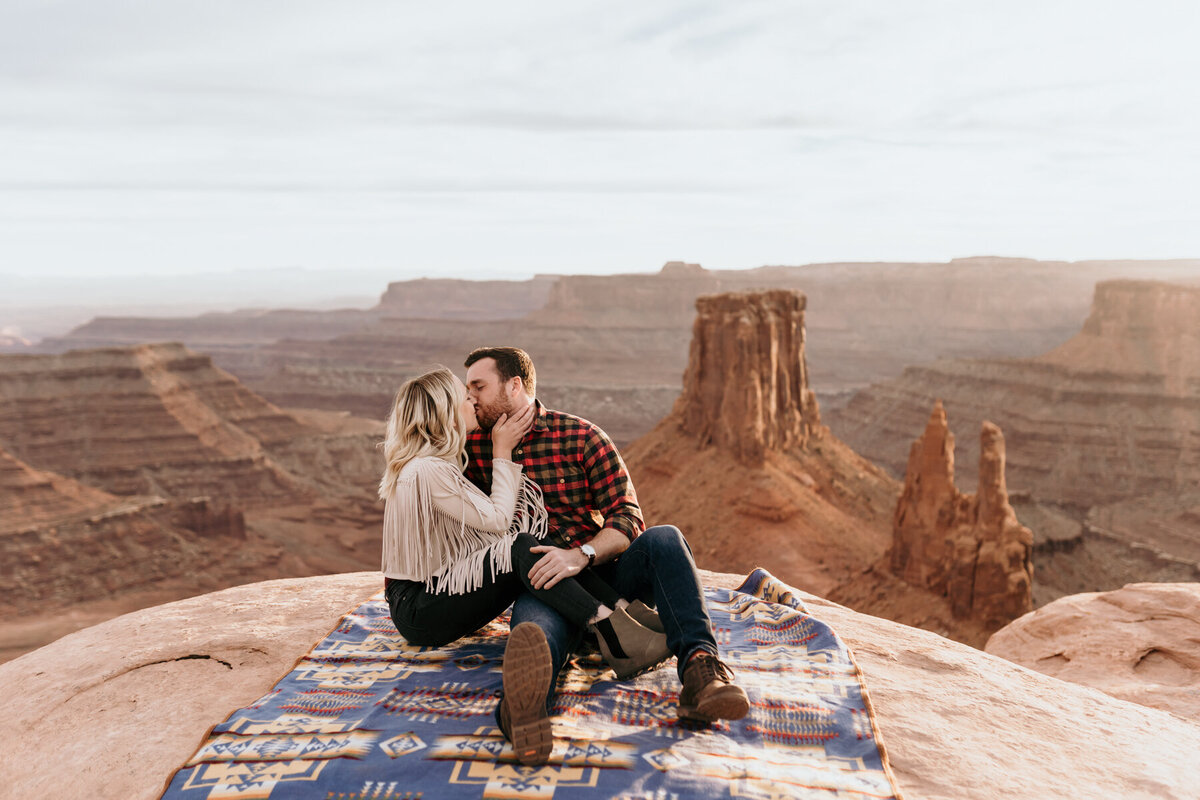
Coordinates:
629 647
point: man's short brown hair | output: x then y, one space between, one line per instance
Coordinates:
511 362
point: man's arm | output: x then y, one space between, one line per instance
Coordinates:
612 494
565 562
611 488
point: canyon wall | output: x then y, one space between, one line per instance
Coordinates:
1103 430
447 298
142 474
615 346
146 420
1111 414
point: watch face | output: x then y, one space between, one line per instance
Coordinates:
588 550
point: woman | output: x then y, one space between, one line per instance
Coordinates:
453 557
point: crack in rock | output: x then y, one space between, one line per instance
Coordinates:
186 658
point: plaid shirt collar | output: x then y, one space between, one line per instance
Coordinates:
540 423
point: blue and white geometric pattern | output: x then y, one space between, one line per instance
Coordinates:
366 715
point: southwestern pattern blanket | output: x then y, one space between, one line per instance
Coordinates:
366 716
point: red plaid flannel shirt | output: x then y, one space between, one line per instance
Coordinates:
584 481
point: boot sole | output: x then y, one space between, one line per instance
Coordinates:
527 676
726 703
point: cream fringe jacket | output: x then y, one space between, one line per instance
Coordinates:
440 529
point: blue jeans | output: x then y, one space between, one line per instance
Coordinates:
658 569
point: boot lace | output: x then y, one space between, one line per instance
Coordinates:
707 668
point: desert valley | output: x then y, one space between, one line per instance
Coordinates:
948 446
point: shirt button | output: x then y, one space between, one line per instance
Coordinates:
562 480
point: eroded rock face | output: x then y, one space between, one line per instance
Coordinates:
969 548
746 385
30 496
145 420
956 722
1111 414
1138 643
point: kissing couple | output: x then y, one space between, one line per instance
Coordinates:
491 500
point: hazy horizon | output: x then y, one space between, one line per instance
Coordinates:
175 138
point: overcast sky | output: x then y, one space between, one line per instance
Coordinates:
502 139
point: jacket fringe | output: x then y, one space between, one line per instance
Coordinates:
447 554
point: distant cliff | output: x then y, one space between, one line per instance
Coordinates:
448 298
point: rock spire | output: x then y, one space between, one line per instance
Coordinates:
969 548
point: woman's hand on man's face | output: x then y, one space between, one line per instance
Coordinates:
508 431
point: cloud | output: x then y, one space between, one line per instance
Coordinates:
177 135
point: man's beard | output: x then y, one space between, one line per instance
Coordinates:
487 415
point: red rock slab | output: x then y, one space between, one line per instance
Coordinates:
124 703
1139 643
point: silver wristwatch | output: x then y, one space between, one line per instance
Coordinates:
590 552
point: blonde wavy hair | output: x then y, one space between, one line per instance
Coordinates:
426 420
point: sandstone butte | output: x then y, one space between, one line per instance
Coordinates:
1137 643
743 465
127 701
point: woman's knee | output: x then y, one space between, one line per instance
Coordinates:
522 554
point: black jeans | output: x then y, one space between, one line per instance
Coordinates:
435 619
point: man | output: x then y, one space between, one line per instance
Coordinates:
594 521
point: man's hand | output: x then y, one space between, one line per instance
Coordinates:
556 564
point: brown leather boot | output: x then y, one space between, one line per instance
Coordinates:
527 676
709 692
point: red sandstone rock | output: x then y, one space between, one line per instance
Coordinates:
969 548
746 386
30 496
208 486
1104 427
743 451
1138 644
146 420
957 723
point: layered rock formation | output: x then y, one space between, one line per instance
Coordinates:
969 548
147 420
1104 429
746 385
1113 413
445 298
65 545
29 495
744 449
138 475
615 346
1137 643
956 722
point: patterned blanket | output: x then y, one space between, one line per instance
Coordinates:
366 716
